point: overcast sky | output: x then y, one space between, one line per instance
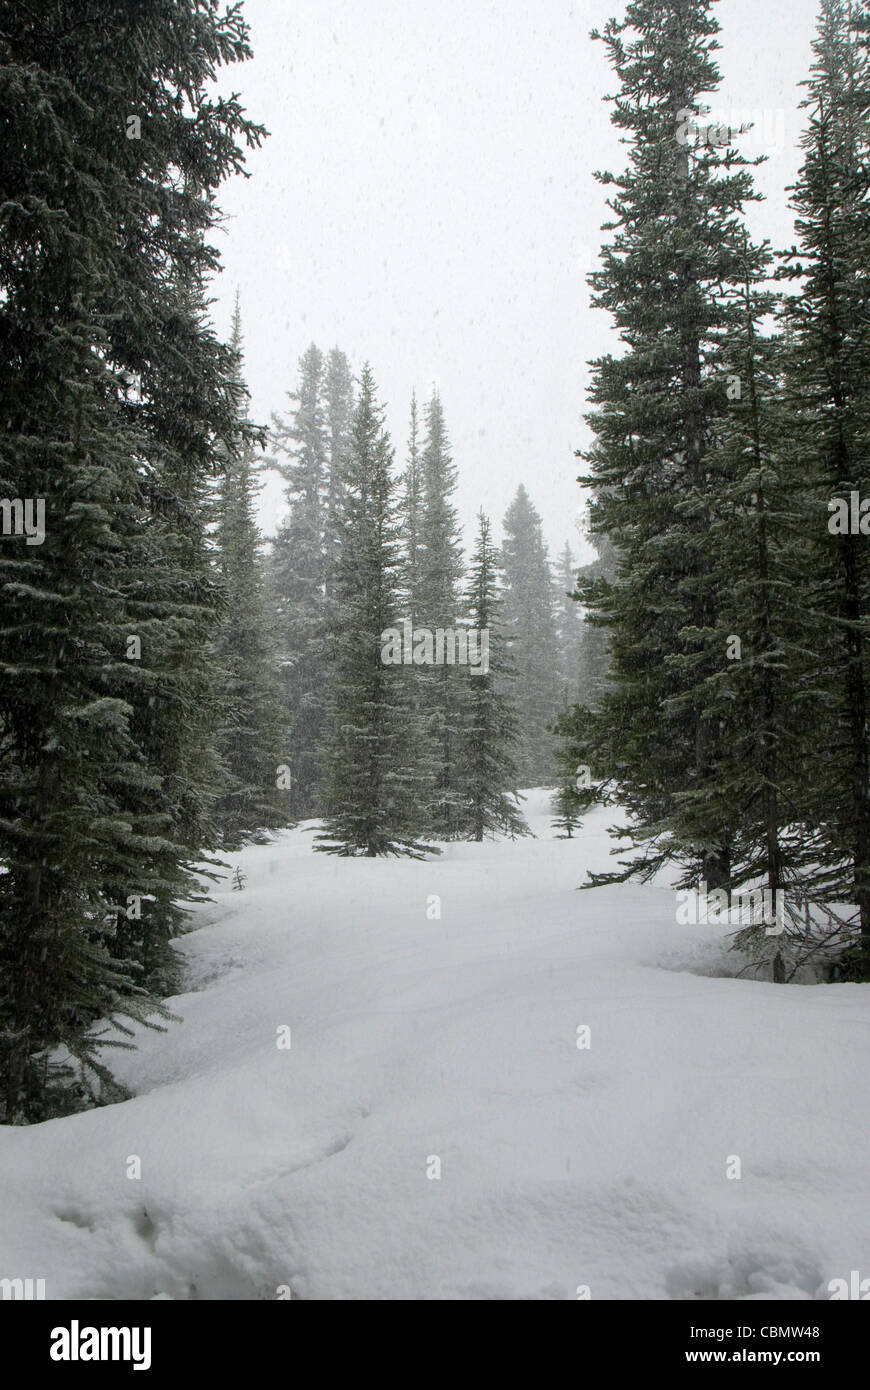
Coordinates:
426 202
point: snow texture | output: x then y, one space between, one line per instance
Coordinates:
415 1038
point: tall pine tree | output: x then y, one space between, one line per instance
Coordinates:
533 642
439 574
373 801
569 625
660 483
114 393
338 409
251 733
299 573
487 777
826 390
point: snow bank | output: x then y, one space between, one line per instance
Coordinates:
416 1038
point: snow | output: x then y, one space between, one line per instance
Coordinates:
414 1038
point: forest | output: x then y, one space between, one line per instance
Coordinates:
174 688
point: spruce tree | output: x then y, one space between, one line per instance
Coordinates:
594 649
826 389
251 733
569 627
419 680
299 580
439 574
338 410
533 642
566 804
411 521
659 481
759 692
175 710
375 792
113 393
487 775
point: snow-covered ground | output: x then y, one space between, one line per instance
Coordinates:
414 1038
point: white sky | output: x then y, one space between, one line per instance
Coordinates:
426 202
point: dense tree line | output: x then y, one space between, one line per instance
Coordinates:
727 474
116 399
168 690
389 750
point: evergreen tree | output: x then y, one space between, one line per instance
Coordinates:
338 410
487 775
569 628
299 581
566 803
101 807
419 680
826 390
594 649
439 568
375 793
659 479
251 729
533 643
758 692
411 521
174 711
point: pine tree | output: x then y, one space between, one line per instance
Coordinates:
374 790
566 804
299 581
418 680
338 410
660 481
439 568
487 776
411 522
252 731
577 747
175 710
533 643
594 648
826 389
759 693
100 805
569 628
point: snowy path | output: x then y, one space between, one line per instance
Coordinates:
456 1038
